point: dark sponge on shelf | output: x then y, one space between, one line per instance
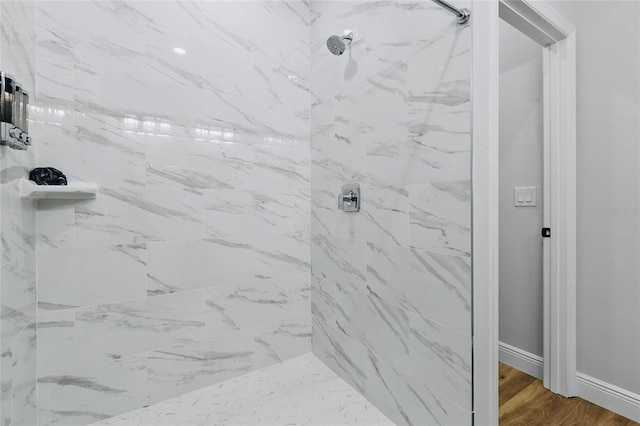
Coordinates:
47 176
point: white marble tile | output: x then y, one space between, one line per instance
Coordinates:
433 285
298 391
75 277
56 343
257 302
386 214
23 377
114 41
324 211
234 213
55 138
383 216
92 148
18 41
250 65
415 153
179 369
18 225
18 231
231 213
175 266
280 255
112 331
379 326
56 224
340 260
440 217
282 166
17 297
19 378
188 26
323 302
55 80
408 401
5 389
92 393
442 126
282 340
206 161
378 102
452 50
440 358
131 214
282 211
336 159
174 214
117 216
347 357
186 163
392 114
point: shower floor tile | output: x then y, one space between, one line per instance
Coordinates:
301 391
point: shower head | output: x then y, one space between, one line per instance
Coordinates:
337 45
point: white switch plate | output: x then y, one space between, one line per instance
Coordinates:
525 197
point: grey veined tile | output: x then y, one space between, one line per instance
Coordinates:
440 358
417 152
92 393
176 266
278 341
117 330
75 277
179 369
56 343
132 214
344 355
340 260
435 286
440 217
257 302
407 400
19 379
17 297
56 222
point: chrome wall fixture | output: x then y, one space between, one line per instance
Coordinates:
462 14
349 197
14 114
337 45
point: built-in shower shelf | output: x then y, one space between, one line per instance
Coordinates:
72 191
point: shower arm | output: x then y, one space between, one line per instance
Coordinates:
462 14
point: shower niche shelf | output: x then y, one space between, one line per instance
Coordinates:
72 191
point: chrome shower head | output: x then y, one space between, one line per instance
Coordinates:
337 45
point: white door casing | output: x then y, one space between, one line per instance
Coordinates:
543 24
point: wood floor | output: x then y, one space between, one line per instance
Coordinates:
523 401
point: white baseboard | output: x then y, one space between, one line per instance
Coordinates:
520 360
606 395
609 396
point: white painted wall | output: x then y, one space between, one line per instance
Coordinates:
521 137
608 191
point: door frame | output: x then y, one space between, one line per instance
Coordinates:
545 25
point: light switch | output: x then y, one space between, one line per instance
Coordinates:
525 197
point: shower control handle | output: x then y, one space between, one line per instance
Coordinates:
349 198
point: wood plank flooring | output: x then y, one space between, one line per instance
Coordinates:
524 401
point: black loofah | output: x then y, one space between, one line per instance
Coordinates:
47 176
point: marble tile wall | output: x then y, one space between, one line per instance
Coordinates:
192 266
17 231
391 285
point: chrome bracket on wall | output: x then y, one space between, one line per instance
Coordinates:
14 114
349 198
